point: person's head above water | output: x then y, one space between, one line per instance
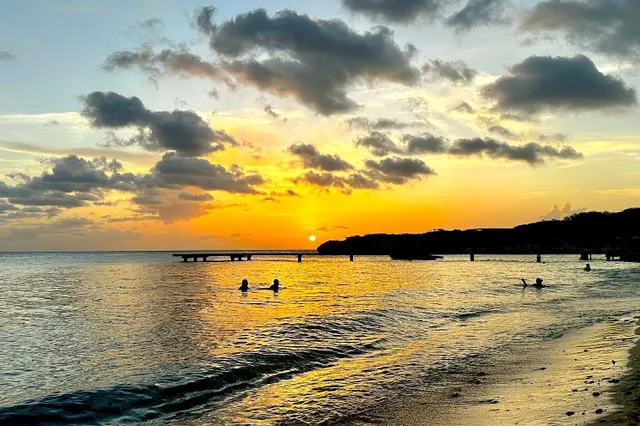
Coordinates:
539 281
276 285
245 284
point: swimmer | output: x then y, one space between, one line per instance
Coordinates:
587 268
538 283
275 286
245 286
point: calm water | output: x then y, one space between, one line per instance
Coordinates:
126 337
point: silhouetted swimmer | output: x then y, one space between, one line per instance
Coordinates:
276 285
244 286
538 283
587 268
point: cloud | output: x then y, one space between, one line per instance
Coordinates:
464 107
475 13
72 182
195 197
64 234
313 159
181 131
383 124
554 137
313 60
150 23
425 143
174 170
559 213
478 13
453 71
75 182
170 206
557 83
504 132
6 207
398 170
346 184
7 56
271 113
331 228
166 62
608 27
397 10
378 144
531 153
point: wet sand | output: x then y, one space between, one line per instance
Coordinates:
580 378
627 393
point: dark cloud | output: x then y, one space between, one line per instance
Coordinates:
204 20
454 71
313 159
604 26
312 60
378 144
555 137
397 10
478 13
504 132
473 14
7 56
175 171
271 199
346 184
424 143
383 124
75 182
72 182
195 197
271 113
556 83
135 218
181 131
531 153
464 108
398 170
166 62
6 207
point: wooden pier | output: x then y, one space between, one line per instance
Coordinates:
195 257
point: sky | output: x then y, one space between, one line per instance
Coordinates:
166 124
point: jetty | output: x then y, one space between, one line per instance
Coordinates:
240 256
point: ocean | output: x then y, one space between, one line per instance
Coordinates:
132 337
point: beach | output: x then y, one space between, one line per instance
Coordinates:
110 338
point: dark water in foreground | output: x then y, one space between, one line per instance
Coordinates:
131 337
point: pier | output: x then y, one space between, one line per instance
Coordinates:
240 256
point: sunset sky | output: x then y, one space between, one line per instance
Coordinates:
166 124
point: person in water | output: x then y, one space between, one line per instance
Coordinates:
587 268
538 283
275 286
244 286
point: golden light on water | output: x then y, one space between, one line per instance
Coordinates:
312 238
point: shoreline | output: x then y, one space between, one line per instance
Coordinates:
626 393
568 380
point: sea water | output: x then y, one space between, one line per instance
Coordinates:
109 338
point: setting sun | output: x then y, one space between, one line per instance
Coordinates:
312 238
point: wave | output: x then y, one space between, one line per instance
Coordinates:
134 403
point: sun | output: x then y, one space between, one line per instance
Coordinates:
312 238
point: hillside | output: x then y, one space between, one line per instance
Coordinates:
595 232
